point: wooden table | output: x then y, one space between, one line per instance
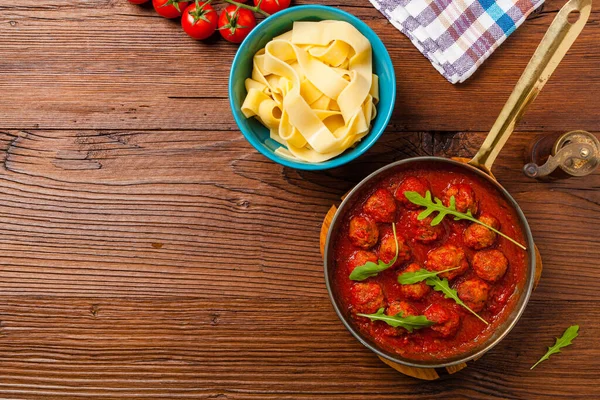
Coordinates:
148 251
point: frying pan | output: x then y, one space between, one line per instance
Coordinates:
554 45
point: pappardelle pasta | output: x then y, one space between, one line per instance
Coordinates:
314 89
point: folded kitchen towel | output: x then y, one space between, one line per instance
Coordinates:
456 35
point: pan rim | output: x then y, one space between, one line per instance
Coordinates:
524 297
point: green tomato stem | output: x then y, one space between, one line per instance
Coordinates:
255 9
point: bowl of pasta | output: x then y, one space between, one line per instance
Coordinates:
312 87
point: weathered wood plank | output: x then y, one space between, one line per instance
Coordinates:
149 212
148 251
111 65
259 349
156 213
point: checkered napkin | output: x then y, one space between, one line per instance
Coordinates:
456 35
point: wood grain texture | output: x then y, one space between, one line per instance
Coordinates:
148 251
188 266
108 64
183 348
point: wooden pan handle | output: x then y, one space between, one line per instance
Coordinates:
325 228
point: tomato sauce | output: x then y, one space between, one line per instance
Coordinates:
427 344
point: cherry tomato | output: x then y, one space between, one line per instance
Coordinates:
235 24
138 1
272 6
169 8
199 20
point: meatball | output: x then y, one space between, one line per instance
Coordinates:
381 206
474 293
363 232
478 236
464 197
401 307
422 230
447 321
411 184
366 298
361 257
490 265
404 309
416 291
387 249
446 257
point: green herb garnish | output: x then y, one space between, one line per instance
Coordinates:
409 278
370 269
436 205
563 341
441 285
409 323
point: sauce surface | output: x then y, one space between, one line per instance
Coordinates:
431 343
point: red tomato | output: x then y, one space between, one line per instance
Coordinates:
199 20
138 1
236 23
169 8
272 6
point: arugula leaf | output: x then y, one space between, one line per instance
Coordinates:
409 322
436 205
563 341
408 278
441 285
370 269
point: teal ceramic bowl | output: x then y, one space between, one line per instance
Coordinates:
279 23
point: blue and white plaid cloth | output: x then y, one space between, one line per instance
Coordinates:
456 35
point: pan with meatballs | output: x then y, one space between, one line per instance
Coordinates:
483 268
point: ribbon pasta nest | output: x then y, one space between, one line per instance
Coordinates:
314 89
